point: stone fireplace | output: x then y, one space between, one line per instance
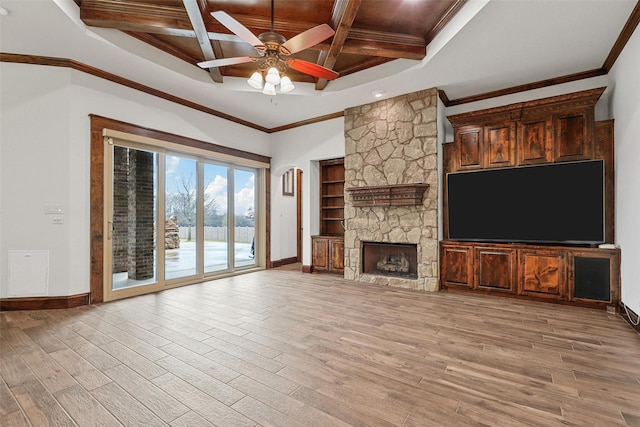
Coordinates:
391 198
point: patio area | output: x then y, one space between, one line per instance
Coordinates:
181 262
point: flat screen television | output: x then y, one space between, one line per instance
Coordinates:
551 203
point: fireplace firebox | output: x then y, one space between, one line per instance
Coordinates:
390 259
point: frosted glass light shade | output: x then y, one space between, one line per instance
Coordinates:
286 85
255 80
269 89
273 76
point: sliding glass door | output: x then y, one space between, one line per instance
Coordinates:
216 217
181 215
133 212
244 202
174 218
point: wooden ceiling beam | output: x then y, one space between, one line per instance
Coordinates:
140 17
196 9
144 18
344 13
384 50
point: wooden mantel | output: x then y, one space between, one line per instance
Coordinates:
388 195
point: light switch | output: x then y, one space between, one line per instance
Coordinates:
53 209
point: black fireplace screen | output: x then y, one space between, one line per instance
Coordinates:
390 259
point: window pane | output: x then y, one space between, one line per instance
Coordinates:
134 217
180 224
244 211
216 227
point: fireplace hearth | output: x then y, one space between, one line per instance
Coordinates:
390 259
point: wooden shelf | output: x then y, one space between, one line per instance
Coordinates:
388 195
331 196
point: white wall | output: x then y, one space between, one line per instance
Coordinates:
283 218
626 111
45 158
301 147
36 169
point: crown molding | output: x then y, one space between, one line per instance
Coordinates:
79 66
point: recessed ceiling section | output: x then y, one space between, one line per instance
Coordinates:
367 33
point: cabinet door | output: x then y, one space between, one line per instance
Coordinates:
469 139
456 265
320 253
500 145
535 141
594 276
542 273
573 135
336 255
495 269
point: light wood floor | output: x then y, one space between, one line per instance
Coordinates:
282 348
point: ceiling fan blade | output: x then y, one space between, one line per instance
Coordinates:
223 62
307 39
312 69
238 29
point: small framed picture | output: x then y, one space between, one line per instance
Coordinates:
287 183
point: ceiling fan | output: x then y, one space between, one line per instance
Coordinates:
274 53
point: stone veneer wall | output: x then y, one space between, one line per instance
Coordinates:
393 142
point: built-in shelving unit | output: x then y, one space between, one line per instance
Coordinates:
332 197
327 248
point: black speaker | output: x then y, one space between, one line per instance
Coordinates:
592 277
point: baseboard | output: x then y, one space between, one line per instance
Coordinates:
284 261
634 316
43 303
307 269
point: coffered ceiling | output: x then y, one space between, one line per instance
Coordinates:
367 33
467 49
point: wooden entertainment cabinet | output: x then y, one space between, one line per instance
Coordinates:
550 130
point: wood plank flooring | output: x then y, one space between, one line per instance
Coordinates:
282 348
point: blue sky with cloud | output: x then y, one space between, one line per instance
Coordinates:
216 181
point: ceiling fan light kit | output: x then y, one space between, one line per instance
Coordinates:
273 76
255 80
274 54
271 80
269 89
286 85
